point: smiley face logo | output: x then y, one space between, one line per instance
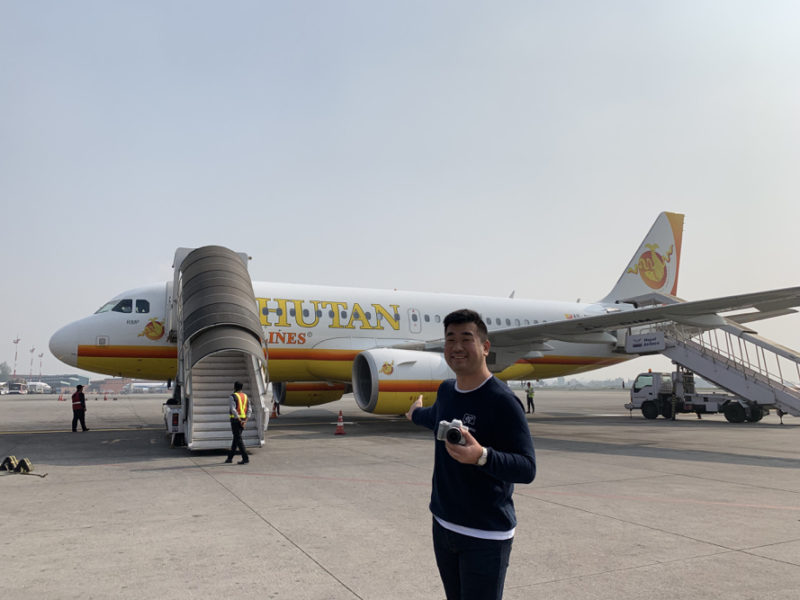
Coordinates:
387 368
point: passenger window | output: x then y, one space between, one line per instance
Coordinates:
142 306
305 312
368 315
124 306
437 318
516 322
508 322
427 318
527 322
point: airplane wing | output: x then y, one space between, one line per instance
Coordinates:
516 342
703 314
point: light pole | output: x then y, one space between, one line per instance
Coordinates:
16 345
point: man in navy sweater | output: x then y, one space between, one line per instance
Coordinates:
473 513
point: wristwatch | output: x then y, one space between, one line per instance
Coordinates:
484 456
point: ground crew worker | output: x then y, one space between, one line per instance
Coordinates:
240 411
79 409
529 392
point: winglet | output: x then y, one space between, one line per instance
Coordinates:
655 265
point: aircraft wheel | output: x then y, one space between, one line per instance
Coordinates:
734 412
649 410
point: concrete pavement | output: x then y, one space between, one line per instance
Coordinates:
622 508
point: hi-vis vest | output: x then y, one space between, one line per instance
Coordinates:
76 402
241 405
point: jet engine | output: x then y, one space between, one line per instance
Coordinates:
386 381
307 393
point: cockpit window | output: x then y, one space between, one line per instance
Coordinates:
142 306
124 306
106 307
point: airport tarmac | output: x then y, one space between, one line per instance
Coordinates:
621 508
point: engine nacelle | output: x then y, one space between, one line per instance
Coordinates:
386 381
307 393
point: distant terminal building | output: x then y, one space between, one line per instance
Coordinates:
60 384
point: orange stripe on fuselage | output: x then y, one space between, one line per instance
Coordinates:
311 354
304 386
127 352
307 354
408 386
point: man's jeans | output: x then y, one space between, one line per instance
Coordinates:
470 568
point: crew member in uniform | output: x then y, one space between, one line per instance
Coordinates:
79 409
240 411
529 392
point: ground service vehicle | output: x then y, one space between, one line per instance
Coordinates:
17 387
667 394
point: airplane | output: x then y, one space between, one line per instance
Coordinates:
386 345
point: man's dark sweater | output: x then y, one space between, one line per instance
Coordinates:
469 495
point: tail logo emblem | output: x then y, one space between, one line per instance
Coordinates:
652 267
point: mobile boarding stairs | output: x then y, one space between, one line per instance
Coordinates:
215 322
759 371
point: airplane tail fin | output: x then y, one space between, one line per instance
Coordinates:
654 267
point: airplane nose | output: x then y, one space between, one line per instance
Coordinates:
64 345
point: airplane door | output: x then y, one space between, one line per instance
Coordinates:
414 320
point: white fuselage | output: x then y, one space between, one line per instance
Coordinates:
314 332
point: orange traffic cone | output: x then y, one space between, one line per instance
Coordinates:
340 425
61 397
274 413
105 397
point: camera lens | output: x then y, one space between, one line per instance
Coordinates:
454 435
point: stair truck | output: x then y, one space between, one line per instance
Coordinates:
667 394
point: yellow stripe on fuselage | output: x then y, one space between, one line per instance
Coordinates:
145 362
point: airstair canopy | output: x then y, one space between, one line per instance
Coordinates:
217 304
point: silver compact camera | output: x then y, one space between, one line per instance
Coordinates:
451 432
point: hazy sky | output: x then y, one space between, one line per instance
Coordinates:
468 147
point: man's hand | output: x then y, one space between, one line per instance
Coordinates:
417 404
467 454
